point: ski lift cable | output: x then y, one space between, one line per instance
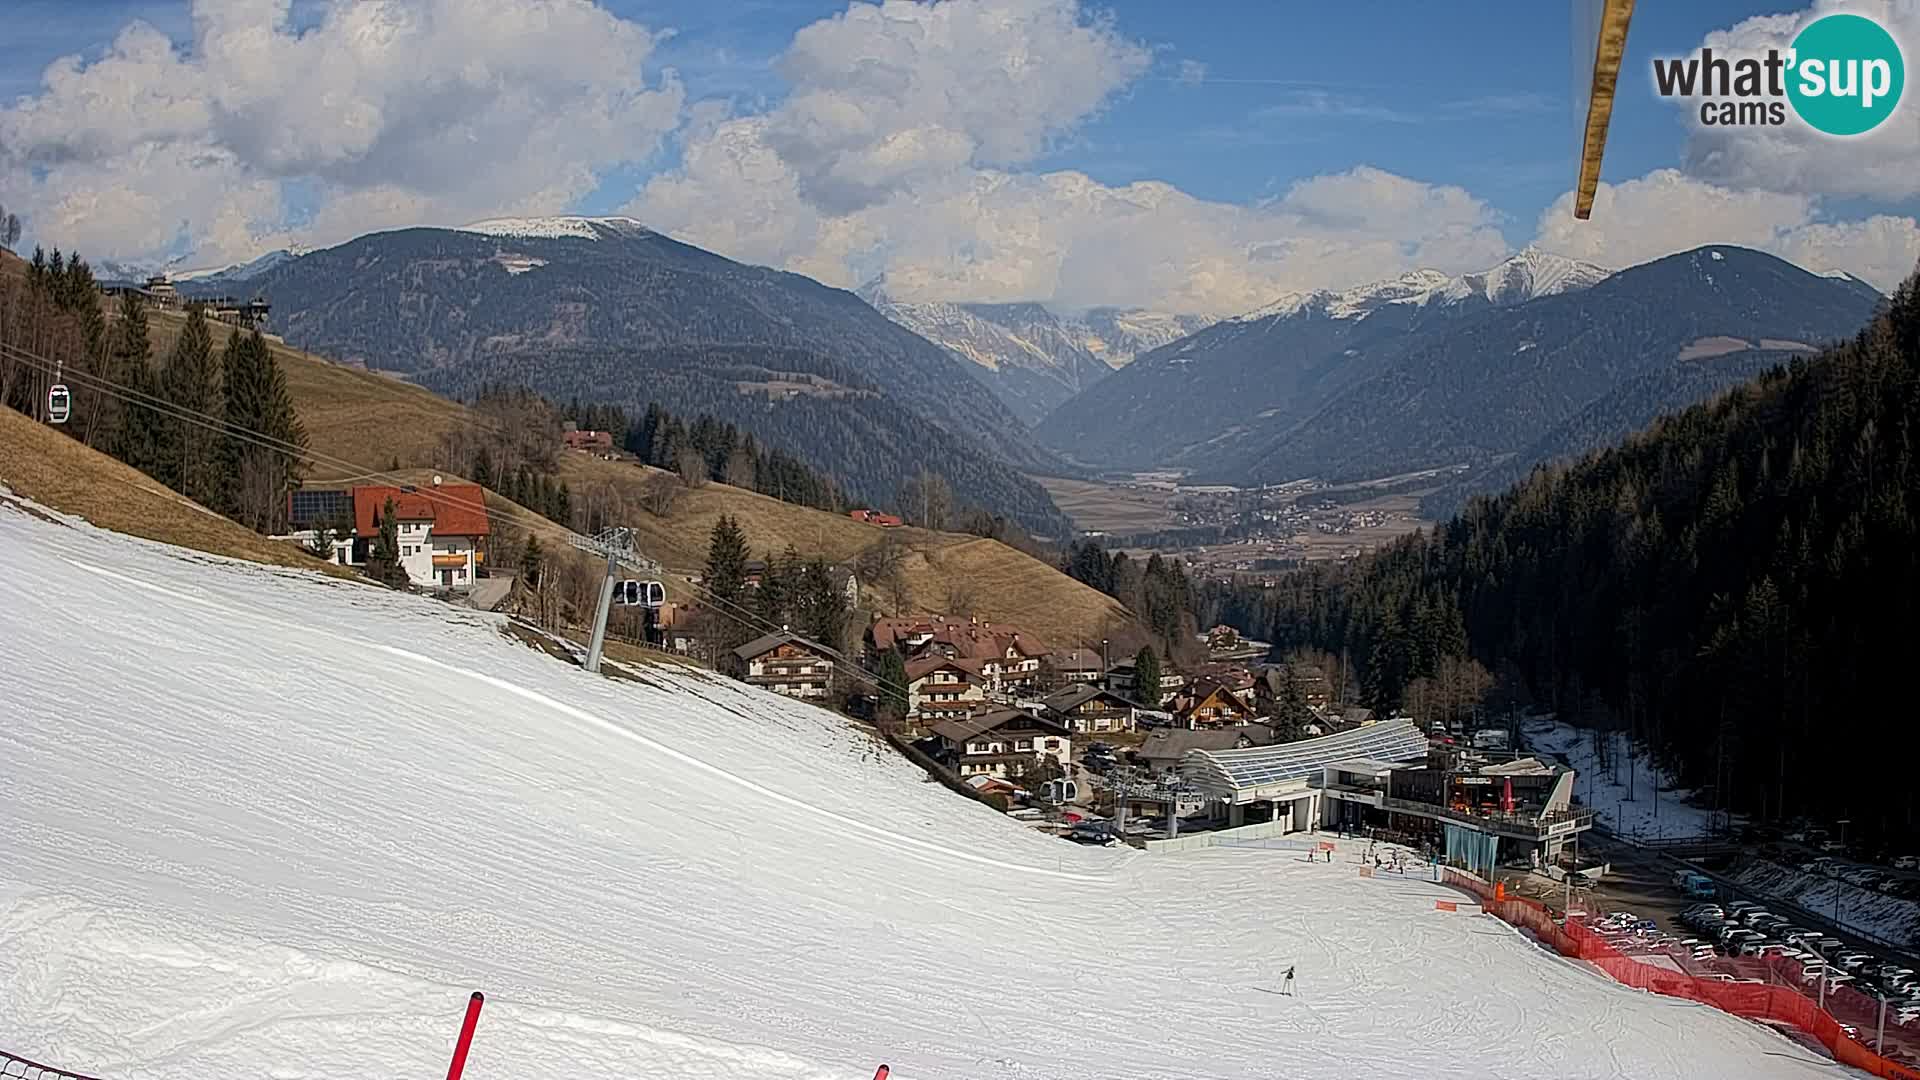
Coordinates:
100 384
219 425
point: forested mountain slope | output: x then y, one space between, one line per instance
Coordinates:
607 310
1497 385
1735 585
1208 401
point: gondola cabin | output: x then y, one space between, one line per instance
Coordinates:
59 404
646 594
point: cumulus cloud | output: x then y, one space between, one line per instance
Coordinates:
896 154
1667 211
1883 163
391 111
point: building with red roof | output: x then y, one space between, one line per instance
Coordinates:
442 530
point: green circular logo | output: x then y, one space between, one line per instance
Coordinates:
1846 74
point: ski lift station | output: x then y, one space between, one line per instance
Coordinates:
1390 776
1280 783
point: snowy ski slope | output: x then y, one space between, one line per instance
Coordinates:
258 824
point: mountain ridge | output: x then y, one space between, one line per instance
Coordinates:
610 311
1302 387
1032 357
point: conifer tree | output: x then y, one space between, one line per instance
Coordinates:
187 461
726 573
135 425
383 557
1146 676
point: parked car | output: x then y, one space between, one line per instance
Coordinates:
1907 862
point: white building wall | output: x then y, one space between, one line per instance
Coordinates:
456 545
416 551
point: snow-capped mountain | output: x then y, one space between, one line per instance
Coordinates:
1303 386
554 228
1530 273
1032 357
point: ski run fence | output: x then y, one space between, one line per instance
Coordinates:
19 1068
1773 989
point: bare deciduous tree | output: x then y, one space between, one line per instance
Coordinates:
658 493
693 467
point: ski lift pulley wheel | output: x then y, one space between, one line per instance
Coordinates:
59 403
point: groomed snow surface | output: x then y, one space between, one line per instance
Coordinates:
1626 804
256 824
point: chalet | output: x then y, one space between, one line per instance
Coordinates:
1315 689
788 664
939 688
1234 677
1122 679
1009 657
1210 704
875 517
441 531
590 442
1079 665
1162 751
752 572
1089 709
1002 743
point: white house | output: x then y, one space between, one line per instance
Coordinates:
441 531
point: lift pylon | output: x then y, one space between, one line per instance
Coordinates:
616 545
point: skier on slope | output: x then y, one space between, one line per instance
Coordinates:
1286 982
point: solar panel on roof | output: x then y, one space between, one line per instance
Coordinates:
1254 766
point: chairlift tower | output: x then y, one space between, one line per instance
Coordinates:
1128 783
617 546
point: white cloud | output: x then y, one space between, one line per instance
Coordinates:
1667 211
394 111
1883 163
896 153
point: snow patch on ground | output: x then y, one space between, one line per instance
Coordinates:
553 228
518 264
262 823
1636 816
1854 905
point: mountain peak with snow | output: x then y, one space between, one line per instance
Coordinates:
555 228
1527 274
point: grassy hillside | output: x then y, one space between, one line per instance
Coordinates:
42 464
374 420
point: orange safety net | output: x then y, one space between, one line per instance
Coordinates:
1775 988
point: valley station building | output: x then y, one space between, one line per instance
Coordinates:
1476 812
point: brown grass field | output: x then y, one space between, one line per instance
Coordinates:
1109 507
369 421
42 464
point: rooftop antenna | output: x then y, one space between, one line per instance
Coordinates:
617 546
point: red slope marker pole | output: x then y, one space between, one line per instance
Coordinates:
882 1074
466 1036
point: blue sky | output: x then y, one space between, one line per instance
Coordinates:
1291 90
1235 103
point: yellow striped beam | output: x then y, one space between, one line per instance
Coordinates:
1606 75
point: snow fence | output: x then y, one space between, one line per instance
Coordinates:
19 1068
1766 990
